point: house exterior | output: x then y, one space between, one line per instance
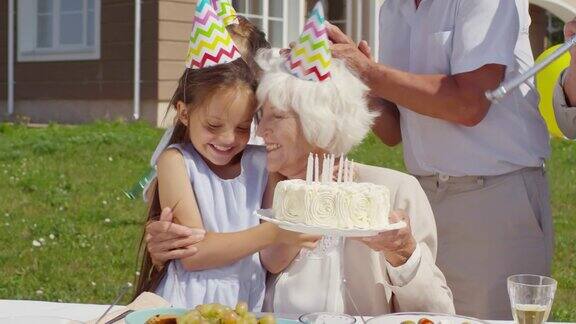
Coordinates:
73 61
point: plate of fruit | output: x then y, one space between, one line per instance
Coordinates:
203 314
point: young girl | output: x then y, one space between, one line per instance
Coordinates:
214 181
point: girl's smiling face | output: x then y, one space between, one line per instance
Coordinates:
220 128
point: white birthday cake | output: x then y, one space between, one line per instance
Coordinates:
343 205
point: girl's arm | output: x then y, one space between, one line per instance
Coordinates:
216 249
277 257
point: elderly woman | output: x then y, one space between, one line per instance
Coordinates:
392 272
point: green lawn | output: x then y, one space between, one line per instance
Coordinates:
61 188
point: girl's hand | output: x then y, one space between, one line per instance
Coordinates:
397 245
296 239
166 240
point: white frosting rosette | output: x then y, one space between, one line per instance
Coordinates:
320 206
288 202
359 212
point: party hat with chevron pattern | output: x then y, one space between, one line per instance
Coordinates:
225 11
310 58
210 44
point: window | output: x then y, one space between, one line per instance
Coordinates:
58 30
357 18
271 16
554 30
337 12
283 20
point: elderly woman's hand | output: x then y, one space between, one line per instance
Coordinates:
397 245
167 241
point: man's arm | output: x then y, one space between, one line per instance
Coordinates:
455 98
478 63
387 124
570 81
564 100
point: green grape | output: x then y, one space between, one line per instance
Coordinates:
242 308
192 317
218 311
226 309
205 310
250 318
268 319
230 318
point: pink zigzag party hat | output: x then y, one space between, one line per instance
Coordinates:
225 11
310 58
210 43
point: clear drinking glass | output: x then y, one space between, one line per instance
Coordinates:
531 297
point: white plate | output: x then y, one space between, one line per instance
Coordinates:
415 317
268 215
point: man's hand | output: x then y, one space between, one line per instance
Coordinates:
167 241
397 245
358 58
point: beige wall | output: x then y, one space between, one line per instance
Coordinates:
174 26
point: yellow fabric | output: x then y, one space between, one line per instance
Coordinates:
545 82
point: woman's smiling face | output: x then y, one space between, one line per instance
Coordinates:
287 148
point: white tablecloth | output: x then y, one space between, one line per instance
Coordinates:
79 312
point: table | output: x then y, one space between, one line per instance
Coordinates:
80 312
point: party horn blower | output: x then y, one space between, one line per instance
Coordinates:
138 188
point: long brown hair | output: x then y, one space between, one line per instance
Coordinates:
249 40
194 88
